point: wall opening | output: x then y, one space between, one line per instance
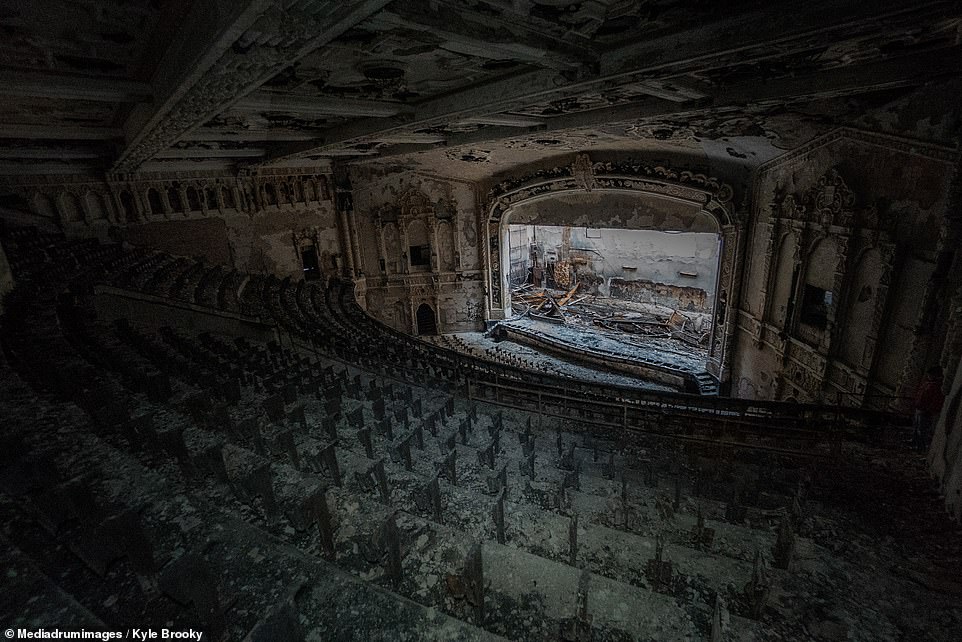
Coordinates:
643 294
309 261
815 305
420 255
427 323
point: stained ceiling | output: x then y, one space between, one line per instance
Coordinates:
462 88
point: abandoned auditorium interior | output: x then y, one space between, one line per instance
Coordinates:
535 320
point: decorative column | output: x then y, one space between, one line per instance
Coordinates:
346 249
435 257
168 209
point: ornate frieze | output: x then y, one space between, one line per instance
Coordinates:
586 175
827 203
282 34
123 199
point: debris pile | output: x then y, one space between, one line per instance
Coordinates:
564 307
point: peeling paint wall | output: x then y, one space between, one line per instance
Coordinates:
671 296
398 211
856 222
265 242
255 223
259 242
206 238
673 269
614 210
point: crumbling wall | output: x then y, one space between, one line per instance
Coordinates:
677 270
672 296
268 240
254 223
206 238
397 210
843 287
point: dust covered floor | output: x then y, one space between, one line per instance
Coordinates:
156 477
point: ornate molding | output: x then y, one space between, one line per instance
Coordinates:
830 202
282 34
583 172
925 149
622 175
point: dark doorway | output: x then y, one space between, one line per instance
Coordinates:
312 271
427 324
420 255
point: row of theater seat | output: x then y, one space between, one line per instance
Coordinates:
342 486
209 451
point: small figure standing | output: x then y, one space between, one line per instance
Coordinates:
927 406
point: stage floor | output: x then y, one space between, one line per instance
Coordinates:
670 352
481 345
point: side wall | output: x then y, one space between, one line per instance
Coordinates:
256 223
847 272
395 212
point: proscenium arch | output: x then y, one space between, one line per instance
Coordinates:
705 197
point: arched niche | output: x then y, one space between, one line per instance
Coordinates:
392 248
129 206
44 206
227 197
418 248
784 278
818 294
70 208
446 243
193 200
427 323
155 202
629 196
95 206
270 195
173 197
860 309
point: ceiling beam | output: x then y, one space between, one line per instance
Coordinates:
413 139
659 59
230 48
478 100
224 134
48 153
317 105
474 41
563 44
766 34
45 168
835 83
200 152
63 87
56 132
505 120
